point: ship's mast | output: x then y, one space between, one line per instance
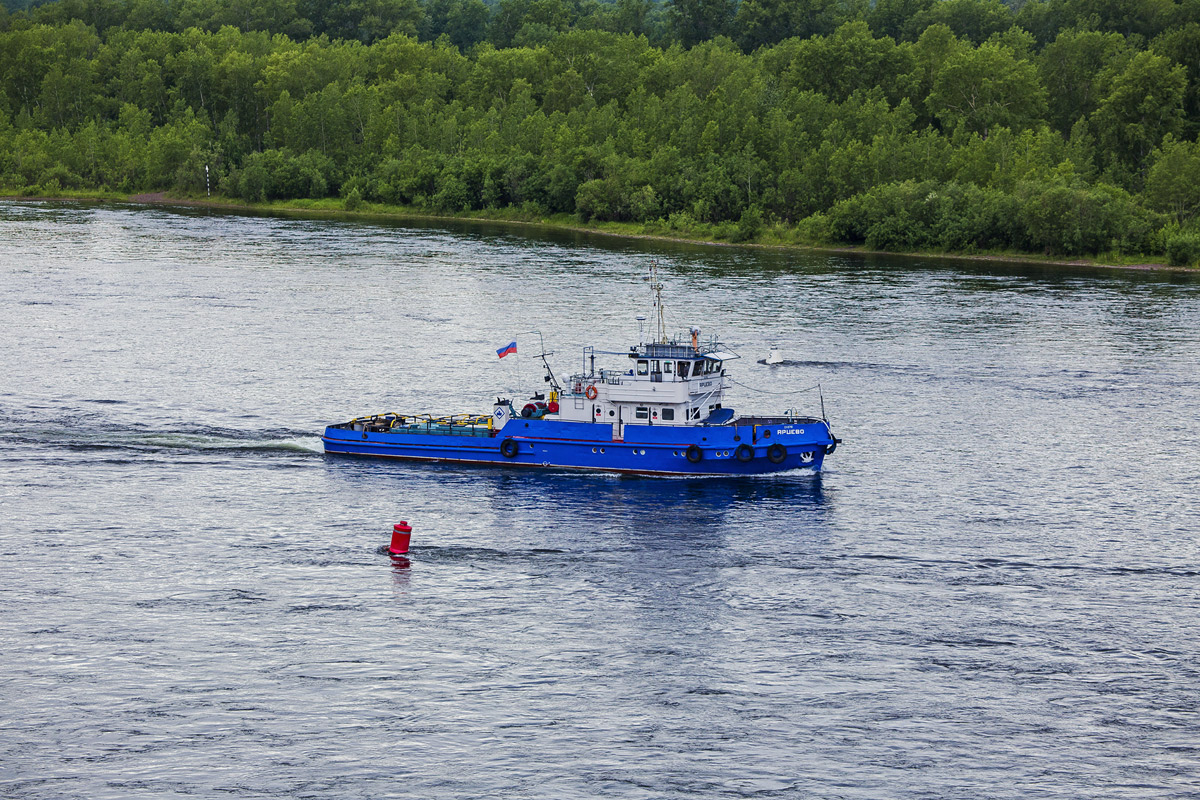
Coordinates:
656 288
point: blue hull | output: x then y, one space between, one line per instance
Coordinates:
743 447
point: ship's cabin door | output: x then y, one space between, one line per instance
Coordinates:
618 427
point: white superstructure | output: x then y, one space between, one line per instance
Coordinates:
666 383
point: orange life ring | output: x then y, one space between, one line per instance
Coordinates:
591 392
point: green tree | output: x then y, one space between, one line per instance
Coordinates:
891 17
1182 45
465 22
1173 182
1074 68
984 87
974 20
848 61
1144 104
365 21
1145 18
1071 219
695 21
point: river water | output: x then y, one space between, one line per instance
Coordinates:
993 591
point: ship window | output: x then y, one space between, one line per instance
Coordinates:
655 366
683 369
641 412
716 367
667 366
695 413
668 414
643 367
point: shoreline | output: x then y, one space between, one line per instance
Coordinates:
323 208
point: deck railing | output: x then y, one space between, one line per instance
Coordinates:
445 424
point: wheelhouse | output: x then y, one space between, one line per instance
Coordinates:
665 383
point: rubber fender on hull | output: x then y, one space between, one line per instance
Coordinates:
509 448
776 453
693 454
744 453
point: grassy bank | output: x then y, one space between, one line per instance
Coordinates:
768 236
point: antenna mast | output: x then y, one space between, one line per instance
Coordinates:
656 287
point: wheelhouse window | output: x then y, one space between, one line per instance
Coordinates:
668 414
695 413
684 366
667 366
643 368
641 412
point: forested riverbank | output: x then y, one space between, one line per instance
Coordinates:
1061 128
776 237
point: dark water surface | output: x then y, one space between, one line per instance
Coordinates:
992 592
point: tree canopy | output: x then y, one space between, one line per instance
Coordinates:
1064 126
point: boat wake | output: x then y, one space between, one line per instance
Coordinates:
88 435
845 365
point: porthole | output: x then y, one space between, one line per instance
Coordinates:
643 452
601 449
593 449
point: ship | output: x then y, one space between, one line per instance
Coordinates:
659 411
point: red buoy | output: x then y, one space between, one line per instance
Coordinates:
401 534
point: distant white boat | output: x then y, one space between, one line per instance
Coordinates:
775 357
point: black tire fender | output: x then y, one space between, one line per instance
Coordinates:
693 454
744 453
509 448
776 453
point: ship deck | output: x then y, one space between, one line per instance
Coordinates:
426 424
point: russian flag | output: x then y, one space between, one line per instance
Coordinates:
511 347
